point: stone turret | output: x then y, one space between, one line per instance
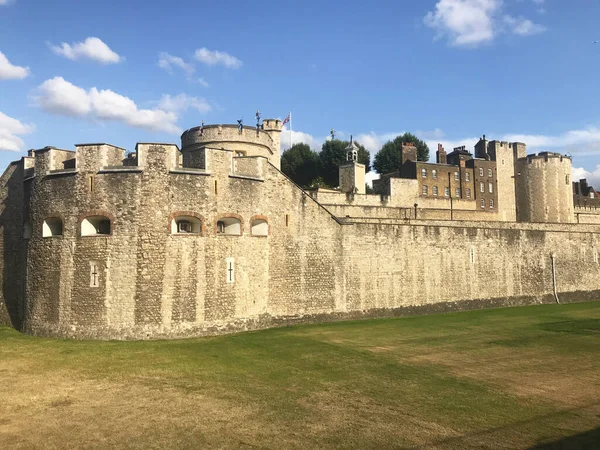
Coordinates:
352 173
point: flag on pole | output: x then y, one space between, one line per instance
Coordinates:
286 120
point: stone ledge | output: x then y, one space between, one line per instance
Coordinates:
190 171
245 177
120 169
53 173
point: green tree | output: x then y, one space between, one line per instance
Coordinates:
389 158
301 164
333 154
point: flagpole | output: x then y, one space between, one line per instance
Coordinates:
290 129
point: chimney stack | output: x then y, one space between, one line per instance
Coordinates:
440 155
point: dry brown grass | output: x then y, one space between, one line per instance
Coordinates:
489 379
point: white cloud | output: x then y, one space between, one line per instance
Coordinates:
183 102
92 48
61 97
10 130
9 71
214 58
6 2
299 136
522 26
167 62
470 23
203 82
593 177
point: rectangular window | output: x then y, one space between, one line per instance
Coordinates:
567 179
490 173
424 173
491 188
481 171
446 192
491 203
456 177
424 190
434 174
468 193
472 255
435 191
467 176
457 192
483 203
481 187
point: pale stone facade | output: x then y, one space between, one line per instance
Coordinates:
214 238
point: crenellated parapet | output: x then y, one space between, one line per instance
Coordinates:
544 188
243 141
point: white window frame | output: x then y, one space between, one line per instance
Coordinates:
491 188
456 176
481 171
423 173
482 203
424 190
481 187
434 191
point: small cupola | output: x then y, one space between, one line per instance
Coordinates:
352 151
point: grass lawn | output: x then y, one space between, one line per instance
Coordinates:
510 378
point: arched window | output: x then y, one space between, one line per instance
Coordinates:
260 227
435 191
95 226
229 226
52 226
186 225
434 174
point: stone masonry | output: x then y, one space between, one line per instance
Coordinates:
213 238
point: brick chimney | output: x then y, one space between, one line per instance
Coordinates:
409 152
440 155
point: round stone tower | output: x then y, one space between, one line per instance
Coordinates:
243 140
544 190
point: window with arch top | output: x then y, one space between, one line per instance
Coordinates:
96 226
229 226
52 226
259 227
186 225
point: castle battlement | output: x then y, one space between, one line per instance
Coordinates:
214 238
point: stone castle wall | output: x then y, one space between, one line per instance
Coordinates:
310 266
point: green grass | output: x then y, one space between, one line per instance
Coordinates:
503 378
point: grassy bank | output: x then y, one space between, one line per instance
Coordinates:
505 378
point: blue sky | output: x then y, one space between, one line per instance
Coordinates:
448 70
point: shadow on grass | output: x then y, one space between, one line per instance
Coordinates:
588 440
581 326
